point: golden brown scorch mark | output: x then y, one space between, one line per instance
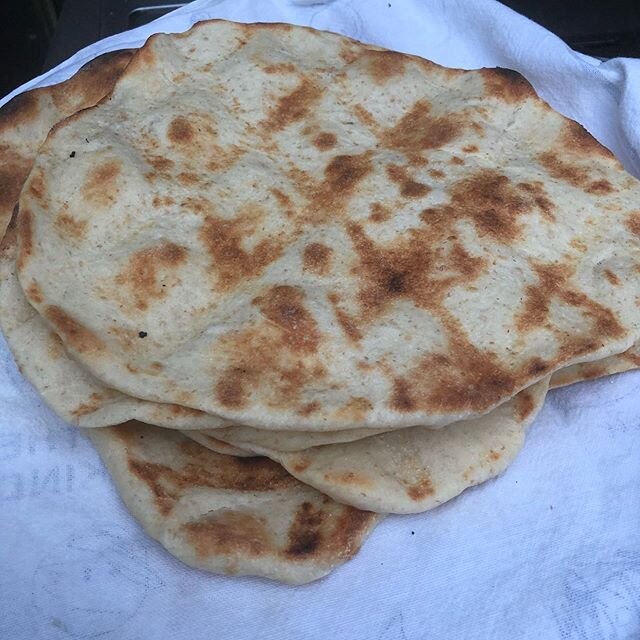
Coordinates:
101 183
205 468
554 282
24 231
300 463
279 68
342 175
365 116
325 141
317 258
68 226
162 201
573 174
409 268
95 402
188 178
232 263
181 131
409 188
507 85
493 204
576 138
307 409
316 531
418 130
384 65
283 306
146 270
423 265
92 82
227 532
73 332
467 379
355 409
347 323
37 186
20 110
305 533
537 193
34 293
525 405
294 106
160 163
611 277
13 173
284 201
591 370
422 488
632 222
632 355
379 212
414 268
276 354
348 478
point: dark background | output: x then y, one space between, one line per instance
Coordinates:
38 34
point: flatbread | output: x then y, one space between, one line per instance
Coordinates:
240 435
26 120
416 469
293 230
288 441
72 392
235 516
206 439
626 361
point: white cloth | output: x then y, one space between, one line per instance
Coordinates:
550 550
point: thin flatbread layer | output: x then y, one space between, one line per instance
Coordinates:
208 440
315 234
26 120
415 469
626 361
240 435
235 516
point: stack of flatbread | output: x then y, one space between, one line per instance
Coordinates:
288 283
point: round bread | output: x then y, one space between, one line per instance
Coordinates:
416 469
225 514
292 230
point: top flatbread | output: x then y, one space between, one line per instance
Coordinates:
70 390
296 231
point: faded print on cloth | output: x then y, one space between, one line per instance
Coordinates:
601 600
115 578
